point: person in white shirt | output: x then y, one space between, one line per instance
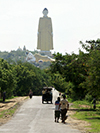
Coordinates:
64 105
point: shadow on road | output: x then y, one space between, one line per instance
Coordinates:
93 118
81 110
47 103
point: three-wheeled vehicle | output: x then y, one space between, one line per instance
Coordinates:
47 94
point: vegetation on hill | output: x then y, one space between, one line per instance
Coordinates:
20 55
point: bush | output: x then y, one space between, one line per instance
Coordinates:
89 98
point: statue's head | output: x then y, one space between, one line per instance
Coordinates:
45 12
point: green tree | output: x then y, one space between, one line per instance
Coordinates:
59 82
7 81
71 68
92 81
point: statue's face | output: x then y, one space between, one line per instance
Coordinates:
45 12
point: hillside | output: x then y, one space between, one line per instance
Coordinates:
20 55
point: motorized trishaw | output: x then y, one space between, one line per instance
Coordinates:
47 94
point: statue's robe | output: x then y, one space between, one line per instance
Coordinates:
45 37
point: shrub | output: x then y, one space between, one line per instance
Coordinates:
89 98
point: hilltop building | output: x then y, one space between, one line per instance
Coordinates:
19 49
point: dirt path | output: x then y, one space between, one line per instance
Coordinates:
6 106
83 126
35 117
77 124
10 103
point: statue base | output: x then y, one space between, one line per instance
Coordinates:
48 53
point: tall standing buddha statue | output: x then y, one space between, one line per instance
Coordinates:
45 33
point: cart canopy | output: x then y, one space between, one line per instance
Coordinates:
47 88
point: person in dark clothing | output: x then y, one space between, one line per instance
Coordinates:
94 103
4 96
30 94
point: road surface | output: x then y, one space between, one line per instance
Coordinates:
35 117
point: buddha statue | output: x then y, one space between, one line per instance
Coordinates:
45 34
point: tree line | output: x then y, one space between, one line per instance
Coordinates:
18 78
78 75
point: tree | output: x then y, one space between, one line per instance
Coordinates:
92 81
59 82
72 68
7 81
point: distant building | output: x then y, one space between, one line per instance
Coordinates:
24 48
44 58
40 61
19 49
30 57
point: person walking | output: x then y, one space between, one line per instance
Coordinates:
43 94
64 105
4 96
57 110
30 93
94 103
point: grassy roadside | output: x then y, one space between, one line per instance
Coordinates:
84 111
5 115
9 112
10 109
1 99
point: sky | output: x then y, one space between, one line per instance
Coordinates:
72 20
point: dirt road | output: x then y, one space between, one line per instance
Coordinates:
35 117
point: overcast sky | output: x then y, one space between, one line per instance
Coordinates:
72 20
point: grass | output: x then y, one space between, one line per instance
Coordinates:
8 113
12 97
1 100
84 111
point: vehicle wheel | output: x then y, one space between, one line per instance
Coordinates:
47 101
43 102
51 102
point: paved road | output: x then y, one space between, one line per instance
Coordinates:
35 117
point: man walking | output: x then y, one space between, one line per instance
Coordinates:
64 107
